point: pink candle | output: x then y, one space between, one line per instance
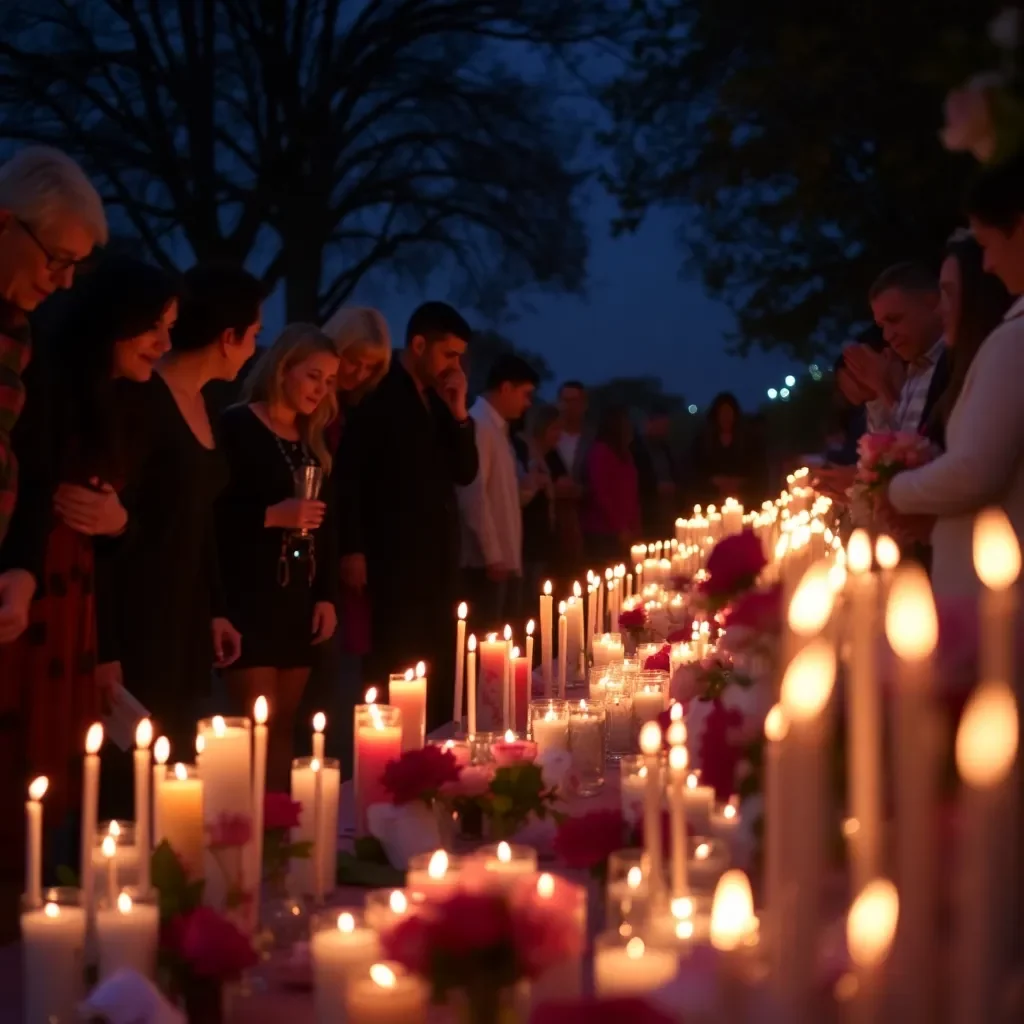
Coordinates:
408 692
491 684
512 750
521 690
378 740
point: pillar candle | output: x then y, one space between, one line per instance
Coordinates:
226 771
591 616
491 684
161 754
90 803
127 933
181 816
53 962
341 947
471 686
911 626
143 778
378 740
563 626
546 639
387 996
650 746
613 613
34 842
260 712
460 654
408 692
109 850
315 875
549 726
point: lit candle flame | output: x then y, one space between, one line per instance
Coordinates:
858 552
219 726
108 847
702 852
692 780
371 696
346 923
94 738
871 923
911 623
650 738
996 551
180 772
635 948
314 764
421 669
383 976
515 653
510 736
51 910
682 908
732 911
887 552
634 876
438 866
986 740
463 610
200 744
409 675
398 903
260 710
530 628
472 642
162 750
547 589
38 787
811 605
504 853
545 886
676 734
577 590
114 829
729 812
508 633
678 760
807 684
675 712
124 903
144 734
561 608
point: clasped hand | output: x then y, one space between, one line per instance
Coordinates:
95 511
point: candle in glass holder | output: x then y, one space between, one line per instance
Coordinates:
53 957
181 816
439 870
387 996
386 907
378 741
627 894
633 786
506 865
321 831
123 860
708 861
549 725
341 947
700 800
127 933
618 706
587 727
627 966
490 689
459 749
407 691
512 750
650 697
608 649
563 977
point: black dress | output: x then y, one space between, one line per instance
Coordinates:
168 586
269 601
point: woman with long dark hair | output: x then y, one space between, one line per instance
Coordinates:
113 328
724 454
278 559
611 514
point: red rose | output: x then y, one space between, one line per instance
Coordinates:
759 610
210 944
719 755
734 564
230 830
409 943
659 662
543 936
419 774
633 618
280 812
467 922
586 841
592 1010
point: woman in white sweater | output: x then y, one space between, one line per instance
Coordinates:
983 463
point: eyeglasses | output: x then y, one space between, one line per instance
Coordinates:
57 263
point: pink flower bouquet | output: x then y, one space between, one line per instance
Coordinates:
881 457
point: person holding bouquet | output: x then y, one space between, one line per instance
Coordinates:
983 463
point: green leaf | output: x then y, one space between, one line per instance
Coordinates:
166 870
352 870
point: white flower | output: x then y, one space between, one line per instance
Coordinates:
1004 29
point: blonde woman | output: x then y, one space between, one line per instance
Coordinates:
277 551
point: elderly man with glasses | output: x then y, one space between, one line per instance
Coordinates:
51 218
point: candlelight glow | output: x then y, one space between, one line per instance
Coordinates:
515 653
421 669
676 734
510 736
732 911
650 738
858 552
634 877
684 929
398 903
261 710
346 923
996 551
114 829
38 787
162 750
807 684
887 552
51 910
144 734
545 886
504 852
124 903
678 760
94 738
371 695
911 623
319 722
635 948
871 923
547 589
729 812
472 642
180 772
108 847
383 976
811 605
675 713
692 782
776 725
577 590
409 675
508 633
530 628
682 908
463 610
219 726
561 607
437 867
200 744
314 765
986 740
608 574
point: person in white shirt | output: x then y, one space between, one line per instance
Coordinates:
492 520
983 463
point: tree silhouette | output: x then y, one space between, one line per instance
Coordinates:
799 142
319 138
486 346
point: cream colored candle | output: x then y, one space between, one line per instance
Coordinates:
316 875
563 628
471 686
34 841
143 772
260 713
549 725
574 633
460 654
109 850
437 871
529 656
546 638
506 696
408 692
90 803
733 929
997 562
387 996
506 865
870 927
777 808
126 933
181 816
650 746
677 762
630 967
341 948
161 755
53 959
911 626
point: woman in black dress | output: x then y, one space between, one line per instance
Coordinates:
279 562
171 620
726 456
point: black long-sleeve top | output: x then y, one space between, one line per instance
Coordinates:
399 461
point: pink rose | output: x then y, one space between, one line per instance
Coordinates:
280 812
474 780
734 564
633 618
409 943
467 922
210 944
759 610
660 662
230 830
543 936
420 774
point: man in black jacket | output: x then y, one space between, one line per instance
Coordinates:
407 447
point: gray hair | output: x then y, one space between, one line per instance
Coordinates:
40 184
361 328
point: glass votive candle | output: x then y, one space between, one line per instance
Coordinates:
549 725
378 740
386 994
608 649
481 746
627 896
180 821
725 820
699 800
618 706
432 871
126 858
53 954
511 749
461 750
603 678
677 926
650 697
630 668
709 860
633 786
645 651
386 907
626 965
341 947
588 724
127 934
505 865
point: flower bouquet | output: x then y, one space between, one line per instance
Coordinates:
586 841
881 457
732 569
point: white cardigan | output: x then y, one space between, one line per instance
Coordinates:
983 463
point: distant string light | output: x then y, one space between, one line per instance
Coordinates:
773 394
692 409
790 380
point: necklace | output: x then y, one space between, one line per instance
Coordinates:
284 573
